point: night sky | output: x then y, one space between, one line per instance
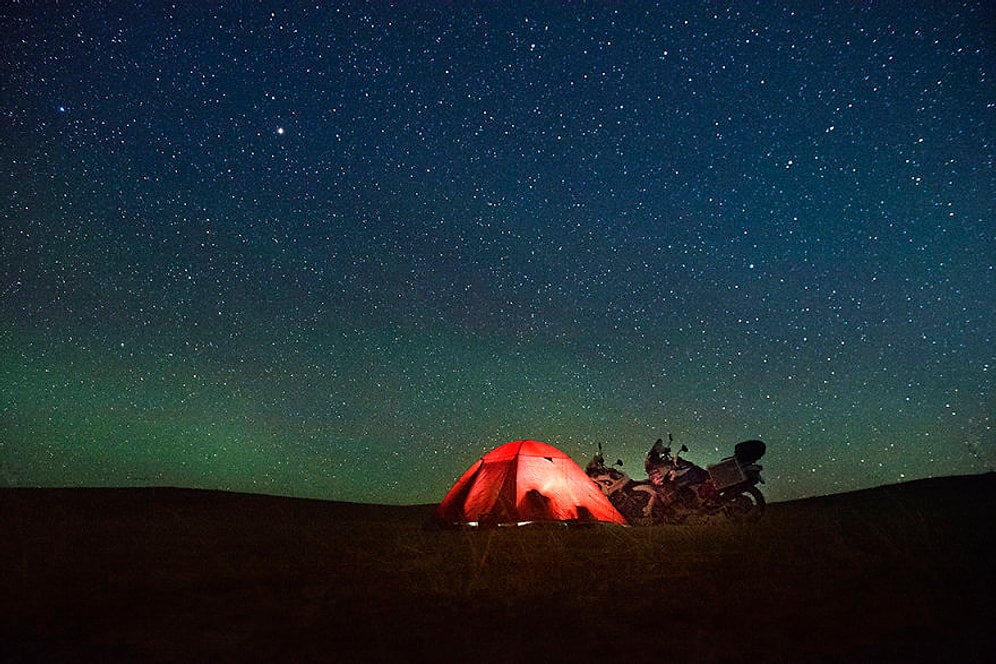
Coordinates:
342 252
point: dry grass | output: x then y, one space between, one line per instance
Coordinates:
157 575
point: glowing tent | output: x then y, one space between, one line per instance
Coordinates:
525 481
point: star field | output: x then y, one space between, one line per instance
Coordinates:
344 251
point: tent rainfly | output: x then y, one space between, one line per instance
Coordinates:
522 482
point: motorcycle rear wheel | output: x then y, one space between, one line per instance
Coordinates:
745 507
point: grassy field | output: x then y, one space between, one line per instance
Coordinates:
901 573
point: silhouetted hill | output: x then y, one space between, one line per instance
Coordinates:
897 573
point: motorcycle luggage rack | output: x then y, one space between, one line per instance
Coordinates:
726 473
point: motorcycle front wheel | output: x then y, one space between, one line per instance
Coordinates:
746 506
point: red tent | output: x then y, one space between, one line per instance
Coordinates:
525 481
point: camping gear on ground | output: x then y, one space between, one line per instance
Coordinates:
525 481
677 489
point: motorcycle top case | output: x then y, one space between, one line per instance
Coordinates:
749 451
727 472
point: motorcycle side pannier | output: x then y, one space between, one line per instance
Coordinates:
726 473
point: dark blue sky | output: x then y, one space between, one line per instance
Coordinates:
343 252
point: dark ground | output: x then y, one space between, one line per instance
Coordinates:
895 574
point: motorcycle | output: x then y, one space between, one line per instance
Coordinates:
677 490
636 500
